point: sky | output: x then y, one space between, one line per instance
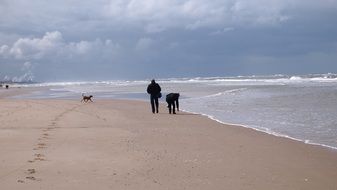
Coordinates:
72 40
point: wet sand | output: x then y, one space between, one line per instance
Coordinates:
118 144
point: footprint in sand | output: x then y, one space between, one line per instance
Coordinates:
31 171
31 178
45 136
41 145
39 157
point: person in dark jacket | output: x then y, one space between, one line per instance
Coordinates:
154 90
172 100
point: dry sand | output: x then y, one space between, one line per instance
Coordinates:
117 144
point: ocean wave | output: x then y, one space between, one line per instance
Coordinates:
232 91
278 79
83 83
263 130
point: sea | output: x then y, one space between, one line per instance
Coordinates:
302 107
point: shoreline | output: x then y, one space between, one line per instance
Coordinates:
272 133
120 144
17 91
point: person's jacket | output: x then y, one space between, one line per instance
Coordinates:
153 89
171 97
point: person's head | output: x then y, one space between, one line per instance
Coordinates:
153 81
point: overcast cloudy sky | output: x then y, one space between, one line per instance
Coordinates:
134 39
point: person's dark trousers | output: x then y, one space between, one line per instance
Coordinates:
170 106
154 104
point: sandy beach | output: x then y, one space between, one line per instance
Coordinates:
120 144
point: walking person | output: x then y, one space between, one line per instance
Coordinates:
154 90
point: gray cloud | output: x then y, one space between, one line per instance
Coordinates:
52 46
107 39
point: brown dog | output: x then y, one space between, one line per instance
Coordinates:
86 98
